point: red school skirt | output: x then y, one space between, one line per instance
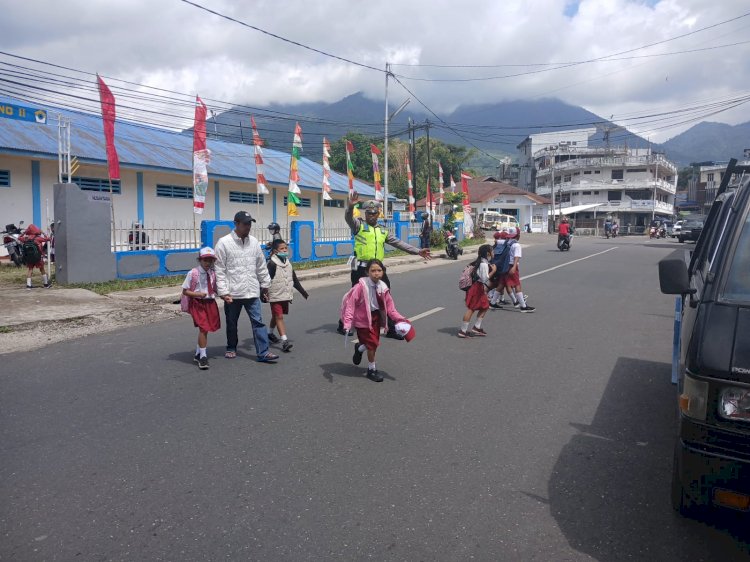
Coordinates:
476 297
370 337
205 314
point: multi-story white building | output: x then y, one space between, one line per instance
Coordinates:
630 185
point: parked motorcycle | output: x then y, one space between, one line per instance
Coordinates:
452 249
11 241
563 243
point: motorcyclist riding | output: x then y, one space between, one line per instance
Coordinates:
563 232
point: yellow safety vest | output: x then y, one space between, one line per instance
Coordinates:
369 242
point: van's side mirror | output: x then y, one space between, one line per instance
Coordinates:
673 277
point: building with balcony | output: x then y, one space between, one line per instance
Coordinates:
630 185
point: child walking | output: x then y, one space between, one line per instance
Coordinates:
476 296
367 307
280 293
200 290
513 279
33 254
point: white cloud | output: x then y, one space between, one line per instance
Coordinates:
170 44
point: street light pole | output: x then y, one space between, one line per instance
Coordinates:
385 143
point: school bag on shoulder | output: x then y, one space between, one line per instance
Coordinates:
502 259
468 277
31 253
184 299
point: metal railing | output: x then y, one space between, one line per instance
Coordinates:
136 236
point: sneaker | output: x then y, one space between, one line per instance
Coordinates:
478 332
343 332
203 363
357 357
197 357
394 335
527 308
374 376
268 358
462 334
286 347
48 285
29 286
496 305
502 301
273 338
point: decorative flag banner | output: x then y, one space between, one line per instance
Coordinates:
429 200
411 191
107 101
440 183
260 176
453 185
201 157
376 172
350 166
326 170
468 221
292 199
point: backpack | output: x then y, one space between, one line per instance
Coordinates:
468 277
31 253
501 260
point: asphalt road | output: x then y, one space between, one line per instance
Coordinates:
551 439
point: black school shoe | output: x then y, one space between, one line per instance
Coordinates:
286 347
357 357
273 338
203 363
394 335
374 376
197 358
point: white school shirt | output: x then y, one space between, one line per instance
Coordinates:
515 252
202 283
483 271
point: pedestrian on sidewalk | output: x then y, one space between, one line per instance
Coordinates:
199 288
368 306
425 236
32 249
369 243
280 293
476 297
274 229
513 278
242 280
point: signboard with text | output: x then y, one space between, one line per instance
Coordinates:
21 113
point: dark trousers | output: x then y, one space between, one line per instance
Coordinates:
232 312
358 274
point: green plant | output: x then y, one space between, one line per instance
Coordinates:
5 329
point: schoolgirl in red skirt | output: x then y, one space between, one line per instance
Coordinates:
476 297
199 289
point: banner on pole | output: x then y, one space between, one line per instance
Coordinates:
107 101
326 170
260 177
293 200
468 220
201 157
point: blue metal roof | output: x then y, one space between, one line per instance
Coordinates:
141 146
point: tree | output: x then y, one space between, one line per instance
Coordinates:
361 157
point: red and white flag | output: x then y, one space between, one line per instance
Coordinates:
376 172
468 221
429 200
107 101
201 157
411 191
440 183
260 176
326 170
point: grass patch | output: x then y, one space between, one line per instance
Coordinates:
106 287
5 329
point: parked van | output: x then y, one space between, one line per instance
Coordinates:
491 220
712 452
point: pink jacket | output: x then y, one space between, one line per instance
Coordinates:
355 306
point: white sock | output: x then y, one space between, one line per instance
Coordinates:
202 351
478 323
44 279
371 365
521 300
28 281
464 326
362 347
283 338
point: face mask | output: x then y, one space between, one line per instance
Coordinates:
283 255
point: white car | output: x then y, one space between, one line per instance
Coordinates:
676 229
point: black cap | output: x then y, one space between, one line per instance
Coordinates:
243 217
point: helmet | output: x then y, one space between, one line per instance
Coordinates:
274 226
370 206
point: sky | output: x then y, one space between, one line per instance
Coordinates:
174 45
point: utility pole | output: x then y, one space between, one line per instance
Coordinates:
385 148
552 189
656 180
429 162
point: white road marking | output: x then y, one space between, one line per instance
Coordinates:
566 264
416 317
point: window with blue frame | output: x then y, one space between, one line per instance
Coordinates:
336 203
242 197
303 202
97 184
4 178
174 191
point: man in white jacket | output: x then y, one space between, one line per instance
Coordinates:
242 281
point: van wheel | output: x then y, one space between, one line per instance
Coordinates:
681 501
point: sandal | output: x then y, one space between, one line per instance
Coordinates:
230 354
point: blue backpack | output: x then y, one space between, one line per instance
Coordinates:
501 258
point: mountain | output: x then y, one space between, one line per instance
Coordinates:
708 141
494 129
